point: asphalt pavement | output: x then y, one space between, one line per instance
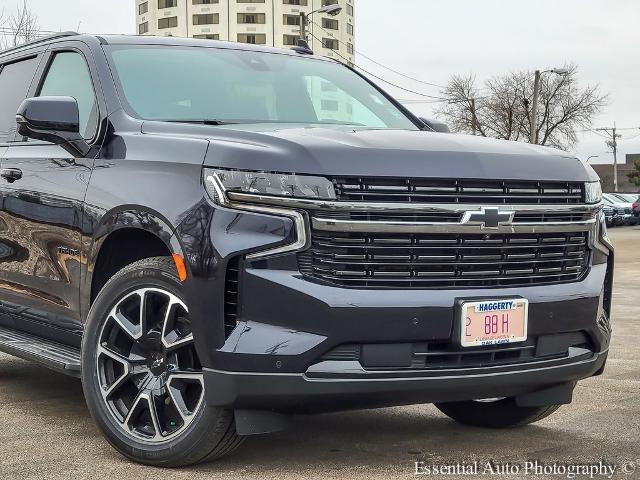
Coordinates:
46 431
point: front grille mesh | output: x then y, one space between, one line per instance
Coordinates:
376 189
370 260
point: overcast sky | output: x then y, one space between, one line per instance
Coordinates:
434 39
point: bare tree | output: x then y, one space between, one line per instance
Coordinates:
3 21
502 107
19 27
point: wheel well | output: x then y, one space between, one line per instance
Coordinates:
122 248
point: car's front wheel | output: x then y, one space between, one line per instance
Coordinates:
494 413
141 375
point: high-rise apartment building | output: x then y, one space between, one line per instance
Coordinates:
264 22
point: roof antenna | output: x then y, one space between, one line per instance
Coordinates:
303 47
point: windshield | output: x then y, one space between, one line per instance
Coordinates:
225 85
627 197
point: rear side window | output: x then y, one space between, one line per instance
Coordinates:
15 79
69 76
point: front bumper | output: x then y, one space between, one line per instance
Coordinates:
275 357
317 391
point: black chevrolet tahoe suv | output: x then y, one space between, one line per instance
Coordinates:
216 236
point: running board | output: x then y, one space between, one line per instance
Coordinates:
56 356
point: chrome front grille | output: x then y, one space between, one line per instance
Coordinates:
446 217
431 233
398 260
414 190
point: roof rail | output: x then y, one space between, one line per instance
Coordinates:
40 40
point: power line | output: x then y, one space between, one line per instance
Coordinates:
437 99
433 97
376 62
13 31
462 100
591 130
632 138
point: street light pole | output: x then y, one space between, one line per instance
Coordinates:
332 10
474 120
303 26
533 134
533 137
615 159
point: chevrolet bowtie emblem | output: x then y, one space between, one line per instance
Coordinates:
488 218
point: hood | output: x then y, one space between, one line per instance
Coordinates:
345 151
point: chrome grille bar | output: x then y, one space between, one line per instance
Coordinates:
392 207
425 190
397 260
333 225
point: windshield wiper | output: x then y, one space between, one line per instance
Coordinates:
203 121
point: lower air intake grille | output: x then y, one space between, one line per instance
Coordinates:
231 294
446 355
369 260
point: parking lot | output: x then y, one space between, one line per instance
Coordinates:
47 433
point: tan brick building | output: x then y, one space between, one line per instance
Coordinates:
265 22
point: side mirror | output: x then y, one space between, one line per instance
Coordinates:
55 120
435 125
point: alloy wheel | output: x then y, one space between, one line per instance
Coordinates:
148 371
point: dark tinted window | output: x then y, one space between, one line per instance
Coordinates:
15 79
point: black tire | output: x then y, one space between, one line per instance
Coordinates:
209 432
502 413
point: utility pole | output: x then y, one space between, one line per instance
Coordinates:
533 134
303 26
186 16
533 137
613 143
615 159
332 10
473 115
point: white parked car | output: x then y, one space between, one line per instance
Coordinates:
623 208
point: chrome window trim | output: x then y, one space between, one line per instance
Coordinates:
302 234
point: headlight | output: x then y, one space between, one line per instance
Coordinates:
220 182
593 192
274 184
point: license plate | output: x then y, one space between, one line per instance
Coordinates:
494 322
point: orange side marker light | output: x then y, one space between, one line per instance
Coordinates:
180 266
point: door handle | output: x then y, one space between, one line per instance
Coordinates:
11 174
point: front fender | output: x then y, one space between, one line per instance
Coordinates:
211 237
122 218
